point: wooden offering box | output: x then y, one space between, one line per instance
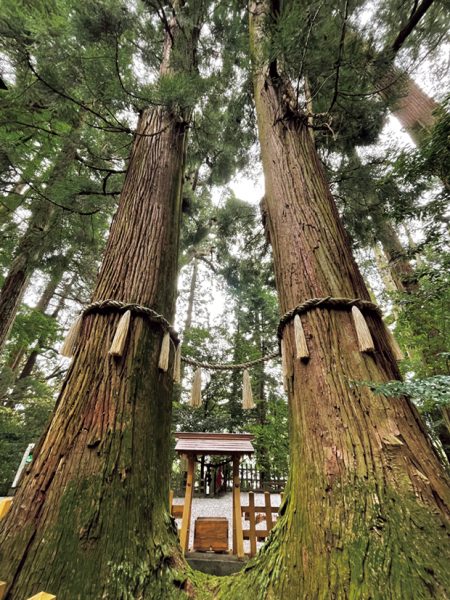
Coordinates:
211 533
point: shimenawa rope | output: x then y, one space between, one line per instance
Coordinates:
355 305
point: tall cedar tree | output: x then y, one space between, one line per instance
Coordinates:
366 507
90 520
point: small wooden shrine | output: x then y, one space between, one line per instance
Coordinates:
232 445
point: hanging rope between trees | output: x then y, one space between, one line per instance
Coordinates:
229 366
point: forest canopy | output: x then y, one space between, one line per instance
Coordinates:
219 164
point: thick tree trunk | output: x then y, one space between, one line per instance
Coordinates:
98 488
365 508
91 518
33 244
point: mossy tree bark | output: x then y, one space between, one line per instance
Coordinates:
90 519
366 504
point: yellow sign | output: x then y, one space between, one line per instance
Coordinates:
5 505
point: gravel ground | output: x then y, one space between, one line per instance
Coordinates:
223 507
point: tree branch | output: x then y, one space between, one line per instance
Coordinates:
104 169
65 208
415 17
339 58
118 127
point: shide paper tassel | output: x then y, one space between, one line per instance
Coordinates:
284 366
300 339
247 395
71 341
120 339
365 341
396 350
165 351
196 392
177 365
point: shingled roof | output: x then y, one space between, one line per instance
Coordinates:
214 443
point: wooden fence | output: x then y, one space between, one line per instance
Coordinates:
258 514
252 480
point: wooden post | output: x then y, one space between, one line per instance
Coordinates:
234 520
237 519
268 511
185 523
170 501
251 504
3 587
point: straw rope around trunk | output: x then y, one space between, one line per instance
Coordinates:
354 305
328 302
323 303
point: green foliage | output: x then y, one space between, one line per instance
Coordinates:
271 441
19 426
334 61
427 392
391 17
238 257
30 325
369 194
423 324
418 169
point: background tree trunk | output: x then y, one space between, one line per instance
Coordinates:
401 273
191 297
52 286
400 268
32 245
412 107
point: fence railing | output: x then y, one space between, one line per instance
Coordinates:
251 480
257 515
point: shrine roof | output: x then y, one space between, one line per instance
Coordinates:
214 443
